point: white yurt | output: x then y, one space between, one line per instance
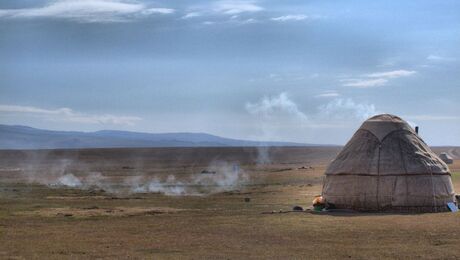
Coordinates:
387 166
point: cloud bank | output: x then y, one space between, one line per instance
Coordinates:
236 7
269 107
375 79
328 94
87 11
290 17
346 108
115 11
391 74
437 58
68 115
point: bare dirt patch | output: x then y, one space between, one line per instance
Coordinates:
94 211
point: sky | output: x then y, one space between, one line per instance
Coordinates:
301 71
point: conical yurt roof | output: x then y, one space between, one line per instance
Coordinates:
386 144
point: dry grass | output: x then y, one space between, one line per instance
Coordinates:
52 223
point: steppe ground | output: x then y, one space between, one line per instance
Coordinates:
38 221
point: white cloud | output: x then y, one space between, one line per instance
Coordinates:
191 15
328 94
391 74
280 118
68 115
376 79
273 76
277 117
247 21
364 83
436 58
158 11
87 11
277 77
290 17
236 7
269 107
346 108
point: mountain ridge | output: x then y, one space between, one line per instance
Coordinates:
26 137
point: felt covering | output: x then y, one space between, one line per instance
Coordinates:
386 166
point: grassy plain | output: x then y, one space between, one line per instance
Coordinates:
38 221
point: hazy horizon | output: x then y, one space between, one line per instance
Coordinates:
294 71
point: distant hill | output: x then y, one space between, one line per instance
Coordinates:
24 137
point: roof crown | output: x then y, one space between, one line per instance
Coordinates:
384 124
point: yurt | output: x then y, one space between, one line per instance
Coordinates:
446 158
386 166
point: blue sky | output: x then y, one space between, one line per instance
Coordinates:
304 71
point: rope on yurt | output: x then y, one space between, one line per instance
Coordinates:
432 186
433 190
378 176
405 172
323 179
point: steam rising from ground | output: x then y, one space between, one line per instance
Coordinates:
69 180
263 155
217 177
272 114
